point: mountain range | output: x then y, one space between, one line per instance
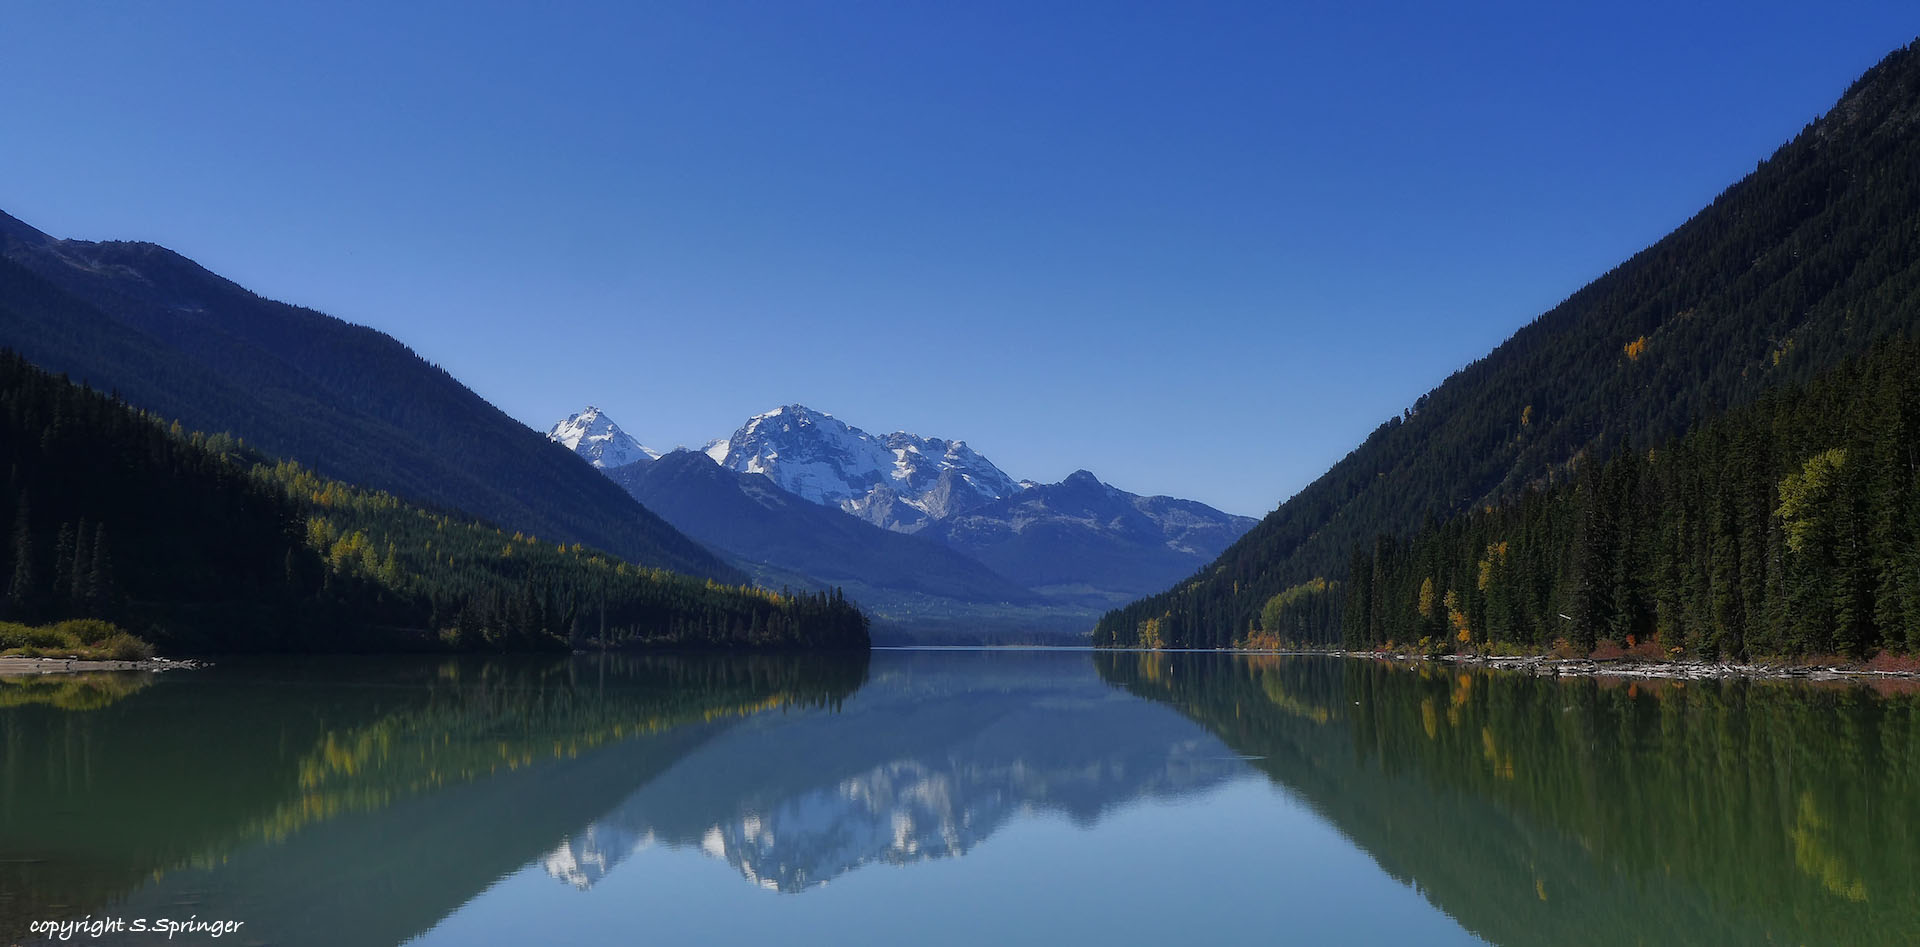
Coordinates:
917 528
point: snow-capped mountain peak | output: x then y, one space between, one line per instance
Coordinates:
901 481
1080 540
594 436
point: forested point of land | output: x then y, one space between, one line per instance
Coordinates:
197 543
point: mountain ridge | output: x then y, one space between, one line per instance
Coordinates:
349 401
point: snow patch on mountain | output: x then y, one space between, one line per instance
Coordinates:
594 436
582 860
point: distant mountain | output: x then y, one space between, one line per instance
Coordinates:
594 436
749 517
1802 264
901 481
791 488
346 400
1083 540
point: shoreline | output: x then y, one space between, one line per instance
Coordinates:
1537 665
15 666
1549 666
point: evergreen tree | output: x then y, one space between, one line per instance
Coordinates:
23 589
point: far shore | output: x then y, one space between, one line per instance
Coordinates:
1545 665
1632 667
15 666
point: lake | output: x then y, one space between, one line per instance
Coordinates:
951 797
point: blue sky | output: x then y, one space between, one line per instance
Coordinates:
1200 249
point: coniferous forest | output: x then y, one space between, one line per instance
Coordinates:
196 543
1787 527
1808 262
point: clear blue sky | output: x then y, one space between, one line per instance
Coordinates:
1200 249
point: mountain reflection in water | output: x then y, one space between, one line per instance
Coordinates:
935 754
394 791
958 797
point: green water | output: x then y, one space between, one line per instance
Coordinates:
958 797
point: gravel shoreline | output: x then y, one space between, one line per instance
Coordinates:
1635 667
28 666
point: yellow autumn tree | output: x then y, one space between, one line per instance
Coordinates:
1496 555
1804 497
1457 617
1149 634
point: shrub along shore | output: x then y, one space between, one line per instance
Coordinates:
86 639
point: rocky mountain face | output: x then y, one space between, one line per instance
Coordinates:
900 481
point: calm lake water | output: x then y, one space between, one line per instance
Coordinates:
954 797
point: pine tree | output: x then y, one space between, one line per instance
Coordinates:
79 589
23 589
63 573
102 592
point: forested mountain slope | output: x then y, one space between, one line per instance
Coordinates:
1784 527
1805 262
200 544
351 402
